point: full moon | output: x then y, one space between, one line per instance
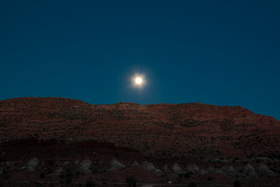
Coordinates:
138 80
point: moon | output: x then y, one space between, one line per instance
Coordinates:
138 80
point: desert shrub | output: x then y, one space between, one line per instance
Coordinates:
90 183
42 175
37 184
5 174
186 175
192 184
67 177
131 181
236 183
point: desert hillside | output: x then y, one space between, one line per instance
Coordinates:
57 141
161 131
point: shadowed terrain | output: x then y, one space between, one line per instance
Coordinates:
155 143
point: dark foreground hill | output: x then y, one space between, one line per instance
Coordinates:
176 138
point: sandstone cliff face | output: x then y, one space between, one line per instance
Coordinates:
162 131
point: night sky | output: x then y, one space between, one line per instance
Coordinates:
215 52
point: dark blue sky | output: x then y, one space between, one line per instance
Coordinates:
216 52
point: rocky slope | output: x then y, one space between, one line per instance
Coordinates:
58 142
160 131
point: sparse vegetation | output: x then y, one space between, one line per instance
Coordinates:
131 181
67 177
192 184
90 183
236 183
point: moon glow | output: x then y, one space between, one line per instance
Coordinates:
138 81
